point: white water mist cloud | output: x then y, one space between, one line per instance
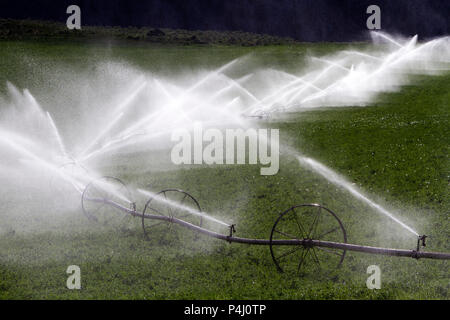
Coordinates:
90 116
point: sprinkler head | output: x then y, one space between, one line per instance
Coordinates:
232 230
423 238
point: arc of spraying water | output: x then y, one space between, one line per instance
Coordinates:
252 107
57 135
117 115
143 121
174 204
392 59
336 179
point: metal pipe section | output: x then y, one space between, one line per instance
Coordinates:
308 242
289 242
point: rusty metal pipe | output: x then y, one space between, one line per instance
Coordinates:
291 242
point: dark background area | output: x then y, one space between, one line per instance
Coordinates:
303 20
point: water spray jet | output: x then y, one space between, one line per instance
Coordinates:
336 179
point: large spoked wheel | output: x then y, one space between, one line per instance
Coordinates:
307 222
103 201
171 203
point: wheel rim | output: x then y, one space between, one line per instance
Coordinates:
307 222
95 207
172 203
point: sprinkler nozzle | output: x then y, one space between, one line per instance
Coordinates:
232 230
421 238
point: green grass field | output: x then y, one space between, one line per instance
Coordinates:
397 151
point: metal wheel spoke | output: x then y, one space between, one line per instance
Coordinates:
97 210
300 228
155 224
181 204
188 215
284 255
302 259
314 224
315 258
168 206
287 235
157 211
328 232
176 210
103 194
